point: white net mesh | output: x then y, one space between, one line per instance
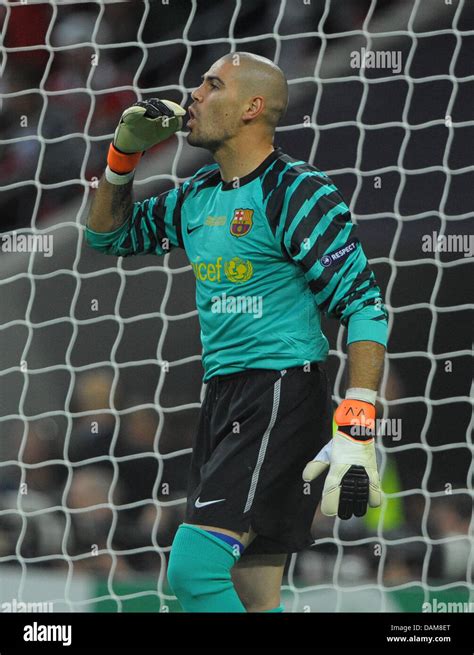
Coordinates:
100 358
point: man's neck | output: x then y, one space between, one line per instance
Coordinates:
238 160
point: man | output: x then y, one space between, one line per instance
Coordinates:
272 245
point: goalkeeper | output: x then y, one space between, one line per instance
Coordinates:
272 246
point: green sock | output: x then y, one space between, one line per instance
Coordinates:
280 608
199 572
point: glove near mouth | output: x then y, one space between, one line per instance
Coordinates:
142 126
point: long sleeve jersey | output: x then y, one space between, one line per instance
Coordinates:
270 251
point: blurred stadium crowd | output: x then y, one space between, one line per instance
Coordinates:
56 93
105 480
107 477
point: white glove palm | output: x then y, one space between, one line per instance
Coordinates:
353 480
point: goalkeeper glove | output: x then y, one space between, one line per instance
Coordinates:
142 126
353 479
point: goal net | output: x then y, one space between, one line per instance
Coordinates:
100 361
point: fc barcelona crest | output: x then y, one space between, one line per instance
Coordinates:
241 222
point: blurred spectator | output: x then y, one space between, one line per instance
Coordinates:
92 434
34 445
451 520
139 475
154 530
92 497
31 528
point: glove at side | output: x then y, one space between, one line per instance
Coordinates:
353 480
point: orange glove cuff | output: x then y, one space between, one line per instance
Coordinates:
120 162
355 412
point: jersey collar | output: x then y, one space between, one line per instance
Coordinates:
228 186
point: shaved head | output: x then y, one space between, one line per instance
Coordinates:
242 96
259 76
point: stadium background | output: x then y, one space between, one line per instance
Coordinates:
95 431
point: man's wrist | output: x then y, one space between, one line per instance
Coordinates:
117 178
122 162
359 393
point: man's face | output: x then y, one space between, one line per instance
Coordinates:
215 114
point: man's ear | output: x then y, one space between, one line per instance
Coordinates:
254 108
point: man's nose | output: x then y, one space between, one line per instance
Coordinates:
196 95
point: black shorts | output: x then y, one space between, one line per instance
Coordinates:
257 431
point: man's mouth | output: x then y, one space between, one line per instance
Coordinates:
192 118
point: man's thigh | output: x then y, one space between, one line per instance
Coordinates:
257 579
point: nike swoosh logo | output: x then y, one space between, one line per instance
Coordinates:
198 504
191 229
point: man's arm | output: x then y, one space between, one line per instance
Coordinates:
319 235
141 126
116 225
111 206
366 359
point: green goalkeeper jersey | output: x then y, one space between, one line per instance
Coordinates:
270 252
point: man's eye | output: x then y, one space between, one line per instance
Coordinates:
214 86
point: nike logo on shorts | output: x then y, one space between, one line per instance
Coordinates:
198 504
